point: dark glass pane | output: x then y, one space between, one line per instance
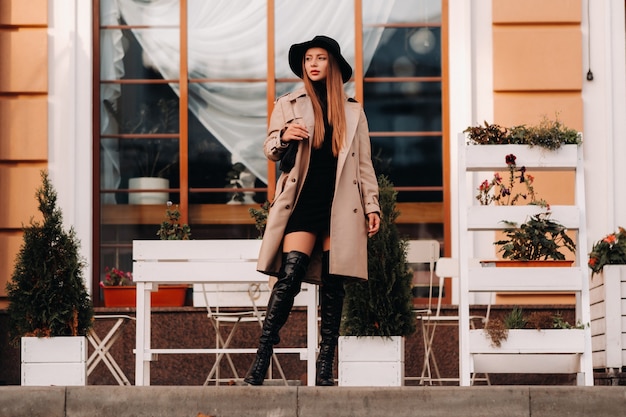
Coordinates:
407 52
403 107
140 109
227 126
410 162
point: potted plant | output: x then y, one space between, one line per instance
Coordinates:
118 287
538 239
150 157
610 250
607 261
260 217
378 312
49 308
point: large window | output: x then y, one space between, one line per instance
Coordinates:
184 89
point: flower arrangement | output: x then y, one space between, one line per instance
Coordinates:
116 277
498 330
611 250
539 238
501 193
548 134
170 228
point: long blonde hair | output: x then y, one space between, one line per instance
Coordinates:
335 97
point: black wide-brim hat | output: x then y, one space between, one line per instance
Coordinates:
297 51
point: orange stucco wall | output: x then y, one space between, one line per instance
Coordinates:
23 120
538 73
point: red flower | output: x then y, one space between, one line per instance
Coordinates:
610 239
510 159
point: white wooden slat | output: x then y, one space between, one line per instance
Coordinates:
196 249
598 310
598 343
530 341
598 327
197 271
535 158
484 279
596 297
599 359
492 218
533 364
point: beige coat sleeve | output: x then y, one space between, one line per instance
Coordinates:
272 147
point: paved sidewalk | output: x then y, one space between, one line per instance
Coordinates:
193 401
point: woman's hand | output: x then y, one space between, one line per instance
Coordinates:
373 220
294 131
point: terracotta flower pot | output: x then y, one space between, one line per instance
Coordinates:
520 264
126 296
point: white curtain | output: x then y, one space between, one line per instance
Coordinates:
111 68
227 40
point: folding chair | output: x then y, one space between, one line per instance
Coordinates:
246 297
424 252
445 267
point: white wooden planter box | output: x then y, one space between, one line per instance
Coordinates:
608 317
529 351
371 361
54 361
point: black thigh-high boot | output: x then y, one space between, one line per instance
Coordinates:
332 294
290 276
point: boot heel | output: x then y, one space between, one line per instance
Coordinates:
256 373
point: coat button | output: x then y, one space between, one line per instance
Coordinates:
293 180
355 210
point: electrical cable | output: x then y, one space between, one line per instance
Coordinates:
589 73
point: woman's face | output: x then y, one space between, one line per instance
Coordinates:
316 63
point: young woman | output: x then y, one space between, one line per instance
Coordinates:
326 202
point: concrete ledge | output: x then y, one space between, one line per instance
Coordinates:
192 401
18 401
577 401
414 401
168 401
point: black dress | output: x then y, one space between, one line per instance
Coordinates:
312 210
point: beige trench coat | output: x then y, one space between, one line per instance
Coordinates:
356 191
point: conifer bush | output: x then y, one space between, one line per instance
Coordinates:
47 294
382 305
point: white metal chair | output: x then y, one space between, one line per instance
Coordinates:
247 298
431 318
426 253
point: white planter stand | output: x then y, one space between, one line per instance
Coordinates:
371 361
528 351
608 317
148 183
54 361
